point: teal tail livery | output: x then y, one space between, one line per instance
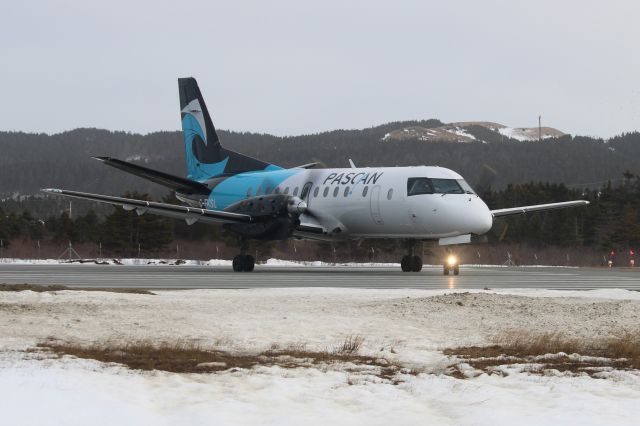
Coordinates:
261 201
206 158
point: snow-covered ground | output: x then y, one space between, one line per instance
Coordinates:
410 327
271 263
173 262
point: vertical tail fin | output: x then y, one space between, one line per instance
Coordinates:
206 158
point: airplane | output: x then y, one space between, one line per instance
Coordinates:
263 201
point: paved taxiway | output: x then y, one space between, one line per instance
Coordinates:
193 277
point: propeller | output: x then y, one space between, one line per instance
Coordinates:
296 206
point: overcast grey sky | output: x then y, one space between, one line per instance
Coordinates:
292 67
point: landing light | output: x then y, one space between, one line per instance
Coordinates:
451 260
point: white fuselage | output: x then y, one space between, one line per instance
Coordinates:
373 202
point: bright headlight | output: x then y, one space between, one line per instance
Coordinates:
451 260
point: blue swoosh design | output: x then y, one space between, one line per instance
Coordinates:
196 170
234 188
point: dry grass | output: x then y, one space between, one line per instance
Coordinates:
540 353
43 288
350 345
188 357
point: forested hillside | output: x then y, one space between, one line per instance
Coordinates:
32 161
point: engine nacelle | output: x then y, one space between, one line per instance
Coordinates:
275 216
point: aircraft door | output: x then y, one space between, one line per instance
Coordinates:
375 205
306 192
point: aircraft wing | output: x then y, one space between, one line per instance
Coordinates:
538 208
189 214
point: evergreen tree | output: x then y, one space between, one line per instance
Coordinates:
125 232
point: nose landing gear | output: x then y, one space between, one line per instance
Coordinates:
451 265
243 262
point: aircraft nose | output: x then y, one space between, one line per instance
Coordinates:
482 220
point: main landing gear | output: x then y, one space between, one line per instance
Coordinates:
243 262
411 262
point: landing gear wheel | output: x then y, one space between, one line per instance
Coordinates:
238 263
451 269
445 270
249 263
243 262
406 264
416 264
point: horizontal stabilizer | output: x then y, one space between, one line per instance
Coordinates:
176 183
538 208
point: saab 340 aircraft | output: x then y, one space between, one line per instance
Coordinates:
258 200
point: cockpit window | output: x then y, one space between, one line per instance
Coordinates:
446 186
417 186
467 188
421 185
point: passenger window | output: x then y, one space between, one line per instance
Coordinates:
325 192
335 191
286 190
346 191
316 191
267 190
364 191
390 194
249 192
258 190
277 190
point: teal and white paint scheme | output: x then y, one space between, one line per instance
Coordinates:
259 200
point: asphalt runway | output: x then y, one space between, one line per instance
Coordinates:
199 277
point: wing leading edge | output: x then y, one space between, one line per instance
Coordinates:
189 214
537 208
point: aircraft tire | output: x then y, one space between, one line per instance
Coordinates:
456 270
249 263
406 264
445 270
416 264
238 263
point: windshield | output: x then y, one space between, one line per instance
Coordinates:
467 188
447 186
416 186
422 185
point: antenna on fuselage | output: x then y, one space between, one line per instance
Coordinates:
353 166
